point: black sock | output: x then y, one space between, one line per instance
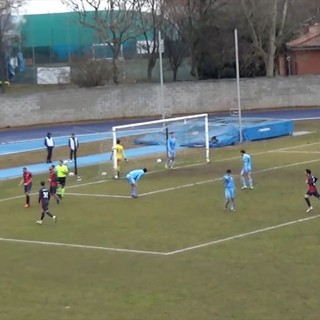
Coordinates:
308 202
49 214
42 215
27 199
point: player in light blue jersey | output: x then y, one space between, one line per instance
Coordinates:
133 177
246 170
172 150
229 190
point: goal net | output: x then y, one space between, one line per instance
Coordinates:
147 144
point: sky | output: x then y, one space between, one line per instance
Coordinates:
43 6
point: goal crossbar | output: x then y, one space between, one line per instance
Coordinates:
164 121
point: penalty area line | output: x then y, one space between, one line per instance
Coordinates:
82 246
243 235
96 195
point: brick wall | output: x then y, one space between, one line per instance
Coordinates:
136 100
307 62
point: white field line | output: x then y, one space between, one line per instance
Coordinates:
70 245
202 245
69 187
97 195
270 151
171 188
190 184
159 253
297 151
220 178
302 119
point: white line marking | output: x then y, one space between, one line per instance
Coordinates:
159 253
241 235
166 189
220 178
304 119
298 151
97 195
70 245
69 187
12 198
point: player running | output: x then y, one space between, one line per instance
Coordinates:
27 184
312 189
133 177
229 190
246 170
44 199
171 150
118 152
53 183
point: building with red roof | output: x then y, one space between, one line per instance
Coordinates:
303 55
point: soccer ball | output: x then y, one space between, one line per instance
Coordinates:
116 176
71 174
159 160
65 162
103 173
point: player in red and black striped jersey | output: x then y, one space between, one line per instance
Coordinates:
44 199
312 189
27 185
53 183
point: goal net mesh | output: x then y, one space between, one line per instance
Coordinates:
146 143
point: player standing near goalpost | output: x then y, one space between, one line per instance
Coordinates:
246 170
118 152
171 150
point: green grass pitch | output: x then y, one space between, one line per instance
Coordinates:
175 252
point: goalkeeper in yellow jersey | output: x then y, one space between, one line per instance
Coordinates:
118 152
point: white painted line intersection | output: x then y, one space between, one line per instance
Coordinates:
170 253
159 253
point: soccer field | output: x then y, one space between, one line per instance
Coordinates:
175 252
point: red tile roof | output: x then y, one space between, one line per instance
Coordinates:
310 39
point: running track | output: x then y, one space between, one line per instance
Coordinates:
13 139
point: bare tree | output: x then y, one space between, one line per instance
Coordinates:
176 47
7 8
195 20
114 21
266 21
151 19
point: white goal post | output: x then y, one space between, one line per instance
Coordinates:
164 123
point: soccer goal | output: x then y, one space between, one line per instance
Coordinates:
149 140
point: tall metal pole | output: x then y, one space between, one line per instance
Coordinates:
161 77
238 83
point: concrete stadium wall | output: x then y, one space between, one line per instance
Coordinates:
136 100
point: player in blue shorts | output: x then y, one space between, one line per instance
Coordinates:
133 177
172 150
246 170
229 190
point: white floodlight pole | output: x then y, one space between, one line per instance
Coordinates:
160 49
238 83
